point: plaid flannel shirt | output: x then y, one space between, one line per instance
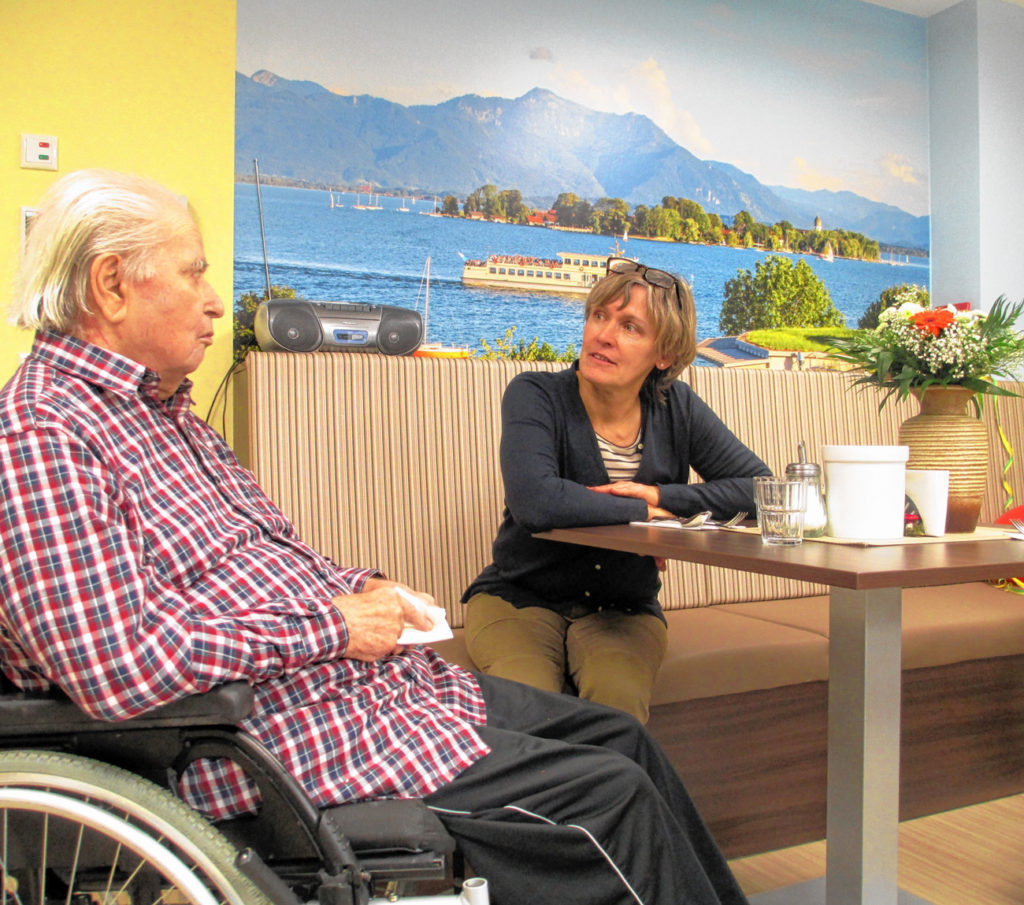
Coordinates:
142 563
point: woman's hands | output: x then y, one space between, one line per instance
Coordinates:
646 492
376 616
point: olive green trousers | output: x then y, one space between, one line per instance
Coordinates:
609 657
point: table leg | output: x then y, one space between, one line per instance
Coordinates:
863 747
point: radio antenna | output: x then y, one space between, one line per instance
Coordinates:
263 235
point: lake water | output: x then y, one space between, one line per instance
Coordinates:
378 257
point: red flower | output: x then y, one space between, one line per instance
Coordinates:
933 321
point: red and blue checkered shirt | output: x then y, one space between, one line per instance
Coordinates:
142 563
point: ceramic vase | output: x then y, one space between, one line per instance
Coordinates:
945 437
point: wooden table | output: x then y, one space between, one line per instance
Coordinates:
864 667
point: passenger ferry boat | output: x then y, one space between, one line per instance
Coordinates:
570 272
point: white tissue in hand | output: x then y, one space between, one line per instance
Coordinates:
441 630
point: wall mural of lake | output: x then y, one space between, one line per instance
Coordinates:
378 257
790 112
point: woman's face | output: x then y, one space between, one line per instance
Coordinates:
619 346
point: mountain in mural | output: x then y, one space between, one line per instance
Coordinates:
539 143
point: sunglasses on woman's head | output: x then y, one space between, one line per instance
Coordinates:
660 278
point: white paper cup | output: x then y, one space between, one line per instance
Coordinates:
865 491
928 493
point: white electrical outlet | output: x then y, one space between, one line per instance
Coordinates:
39 152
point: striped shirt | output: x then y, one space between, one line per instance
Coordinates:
141 563
621 462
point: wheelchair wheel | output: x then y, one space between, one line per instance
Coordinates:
80 832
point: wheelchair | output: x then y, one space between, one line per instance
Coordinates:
88 815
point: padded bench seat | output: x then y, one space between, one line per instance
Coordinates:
941 625
733 648
715 650
712 651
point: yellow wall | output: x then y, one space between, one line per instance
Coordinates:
146 86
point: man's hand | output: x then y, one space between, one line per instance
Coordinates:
376 616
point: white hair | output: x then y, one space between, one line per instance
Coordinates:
84 215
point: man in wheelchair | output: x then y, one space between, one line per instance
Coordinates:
142 565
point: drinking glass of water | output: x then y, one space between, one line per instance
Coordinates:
780 509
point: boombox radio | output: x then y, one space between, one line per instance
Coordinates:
296 325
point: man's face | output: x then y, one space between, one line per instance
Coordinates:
169 321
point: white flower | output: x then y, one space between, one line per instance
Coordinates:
909 309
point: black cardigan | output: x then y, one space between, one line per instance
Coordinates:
549 457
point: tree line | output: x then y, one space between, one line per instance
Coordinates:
675 219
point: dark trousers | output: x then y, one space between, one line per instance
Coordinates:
577 804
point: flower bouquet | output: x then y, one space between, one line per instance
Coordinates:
914 348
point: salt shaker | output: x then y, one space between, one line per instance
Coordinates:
814 509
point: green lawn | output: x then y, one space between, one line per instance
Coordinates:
797 339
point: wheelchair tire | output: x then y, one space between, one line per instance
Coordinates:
79 831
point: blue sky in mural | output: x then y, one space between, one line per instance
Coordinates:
816 95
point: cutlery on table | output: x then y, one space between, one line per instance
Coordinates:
695 521
704 520
734 521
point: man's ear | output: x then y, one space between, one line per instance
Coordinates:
105 288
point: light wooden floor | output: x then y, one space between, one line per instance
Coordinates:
972 856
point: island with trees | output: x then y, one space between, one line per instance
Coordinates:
674 220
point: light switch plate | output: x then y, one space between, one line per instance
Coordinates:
39 152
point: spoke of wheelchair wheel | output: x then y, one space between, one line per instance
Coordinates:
4 877
130 879
9 887
73 873
161 900
42 859
107 897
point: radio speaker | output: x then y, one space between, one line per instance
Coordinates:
296 325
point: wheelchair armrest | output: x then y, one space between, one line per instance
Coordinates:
391 825
230 703
27 712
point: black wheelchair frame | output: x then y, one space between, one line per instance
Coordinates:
77 793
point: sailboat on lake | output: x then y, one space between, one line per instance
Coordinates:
429 349
370 205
